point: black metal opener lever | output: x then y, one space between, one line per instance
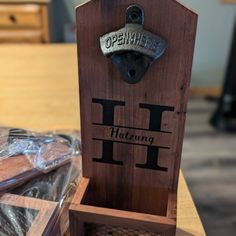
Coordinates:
133 49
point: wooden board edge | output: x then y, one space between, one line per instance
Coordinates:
172 206
80 192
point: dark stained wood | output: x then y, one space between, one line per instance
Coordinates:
126 187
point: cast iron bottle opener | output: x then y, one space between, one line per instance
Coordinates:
133 49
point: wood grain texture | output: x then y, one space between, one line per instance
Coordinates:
166 83
37 95
13 170
39 87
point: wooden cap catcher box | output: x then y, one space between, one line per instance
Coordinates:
135 60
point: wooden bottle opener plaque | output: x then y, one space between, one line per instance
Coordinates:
135 60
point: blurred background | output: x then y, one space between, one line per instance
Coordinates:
209 154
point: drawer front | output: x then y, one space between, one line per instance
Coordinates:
20 15
21 36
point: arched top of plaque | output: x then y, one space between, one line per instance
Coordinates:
132 133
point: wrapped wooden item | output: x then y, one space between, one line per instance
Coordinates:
56 187
25 155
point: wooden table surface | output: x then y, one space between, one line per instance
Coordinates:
25 1
39 91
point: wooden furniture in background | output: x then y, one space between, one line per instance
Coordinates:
24 21
203 92
39 91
